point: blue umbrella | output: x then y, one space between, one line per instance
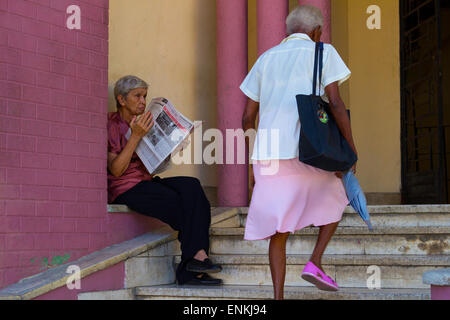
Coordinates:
356 197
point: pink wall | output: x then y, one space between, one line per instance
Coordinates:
440 292
109 279
53 106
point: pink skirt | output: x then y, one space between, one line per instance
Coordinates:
289 196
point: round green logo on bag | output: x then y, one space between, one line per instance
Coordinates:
323 116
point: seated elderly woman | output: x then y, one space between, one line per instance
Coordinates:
178 201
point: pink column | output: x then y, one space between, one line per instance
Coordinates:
271 23
325 6
231 71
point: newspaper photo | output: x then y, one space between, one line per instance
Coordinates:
169 131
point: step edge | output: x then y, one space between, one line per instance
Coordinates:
342 260
362 230
224 291
394 209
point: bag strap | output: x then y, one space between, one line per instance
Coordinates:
318 64
316 55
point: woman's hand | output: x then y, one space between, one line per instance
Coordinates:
140 127
252 180
339 112
118 163
340 174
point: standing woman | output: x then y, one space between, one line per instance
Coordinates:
296 195
178 201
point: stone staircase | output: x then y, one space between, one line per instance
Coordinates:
407 241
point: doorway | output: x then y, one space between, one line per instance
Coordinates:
425 107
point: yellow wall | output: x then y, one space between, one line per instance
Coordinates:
374 94
252 33
340 38
171 45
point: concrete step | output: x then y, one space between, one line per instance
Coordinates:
347 240
350 271
241 292
391 209
389 230
391 216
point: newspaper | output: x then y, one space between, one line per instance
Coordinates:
166 136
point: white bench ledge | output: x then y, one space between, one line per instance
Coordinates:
217 214
439 208
439 277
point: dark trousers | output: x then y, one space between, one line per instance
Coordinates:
181 203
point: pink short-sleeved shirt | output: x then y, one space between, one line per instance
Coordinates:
136 171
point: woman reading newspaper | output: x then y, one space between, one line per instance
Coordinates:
178 201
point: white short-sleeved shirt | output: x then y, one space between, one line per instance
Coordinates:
277 77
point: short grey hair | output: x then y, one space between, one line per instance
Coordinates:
125 84
305 18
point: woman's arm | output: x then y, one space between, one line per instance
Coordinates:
118 163
250 114
249 122
337 108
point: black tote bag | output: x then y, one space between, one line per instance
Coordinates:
321 142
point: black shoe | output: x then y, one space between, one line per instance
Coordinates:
205 266
204 280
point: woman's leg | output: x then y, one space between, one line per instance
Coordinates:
156 200
196 218
196 222
325 235
277 259
181 203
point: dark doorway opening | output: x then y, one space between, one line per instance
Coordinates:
425 109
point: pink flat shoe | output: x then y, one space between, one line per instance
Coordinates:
315 276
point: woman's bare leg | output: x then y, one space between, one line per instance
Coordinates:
277 259
201 255
325 235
